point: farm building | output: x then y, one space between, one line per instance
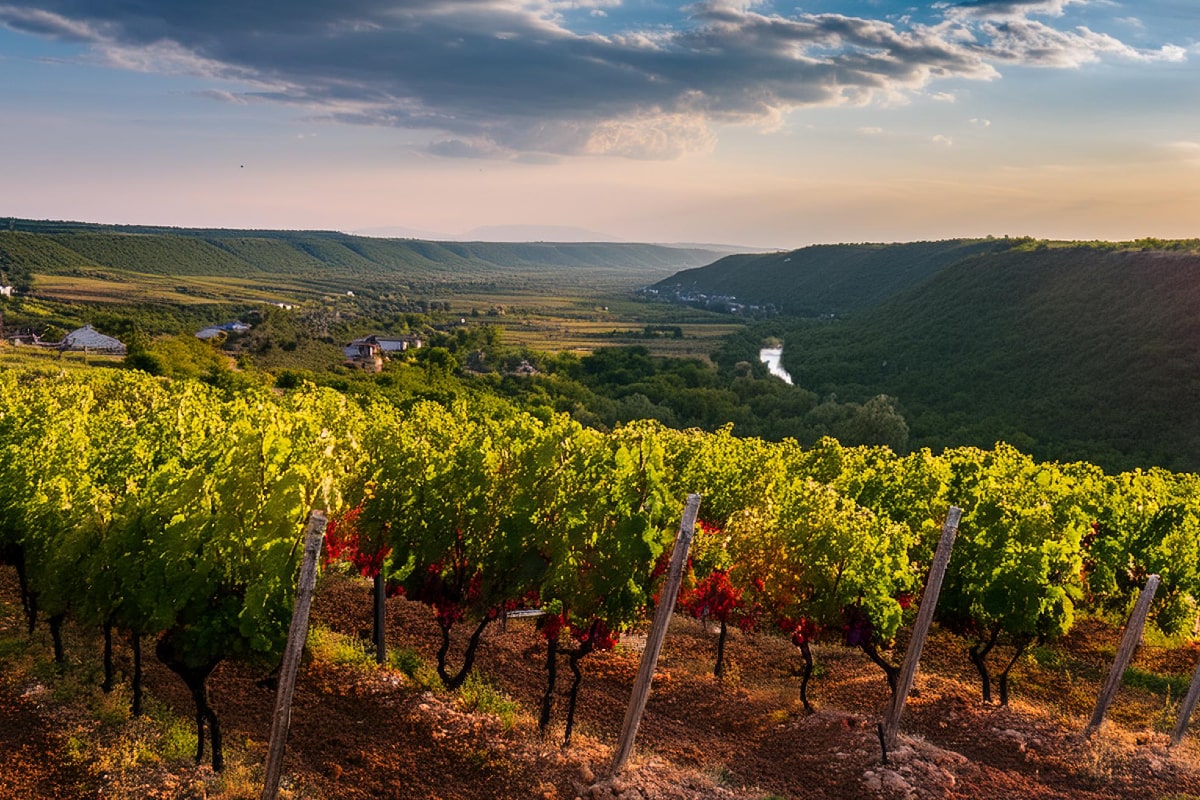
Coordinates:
214 331
369 351
89 340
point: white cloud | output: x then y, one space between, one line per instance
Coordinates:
943 140
1188 151
504 77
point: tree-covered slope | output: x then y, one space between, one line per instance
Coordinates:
1074 352
63 247
827 279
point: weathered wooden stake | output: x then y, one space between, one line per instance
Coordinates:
1189 705
314 536
1129 643
933 588
658 632
377 633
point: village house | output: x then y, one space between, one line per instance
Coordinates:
89 340
369 352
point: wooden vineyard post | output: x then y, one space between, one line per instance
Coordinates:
1129 643
933 588
314 536
1189 705
377 629
658 632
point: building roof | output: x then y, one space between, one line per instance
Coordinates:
88 338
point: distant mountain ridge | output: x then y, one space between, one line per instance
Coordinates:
58 247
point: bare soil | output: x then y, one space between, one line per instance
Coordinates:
360 731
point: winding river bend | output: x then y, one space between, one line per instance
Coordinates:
773 358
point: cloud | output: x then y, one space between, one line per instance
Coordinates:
1007 9
983 123
1190 152
943 140
457 148
506 78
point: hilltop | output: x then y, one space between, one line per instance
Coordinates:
1071 352
825 280
66 248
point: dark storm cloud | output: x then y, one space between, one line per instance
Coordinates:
508 76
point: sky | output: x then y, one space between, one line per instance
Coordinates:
764 124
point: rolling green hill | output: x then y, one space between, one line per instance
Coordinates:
63 248
826 280
1085 351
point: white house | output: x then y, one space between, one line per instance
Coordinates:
90 340
6 291
369 351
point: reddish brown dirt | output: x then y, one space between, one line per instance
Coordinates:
367 733
27 736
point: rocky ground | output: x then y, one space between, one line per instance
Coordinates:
359 731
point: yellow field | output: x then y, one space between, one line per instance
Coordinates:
117 287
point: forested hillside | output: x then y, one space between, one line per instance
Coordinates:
1069 352
826 280
61 248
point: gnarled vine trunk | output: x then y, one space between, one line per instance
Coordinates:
719 669
456 680
978 654
195 677
890 670
1021 646
806 654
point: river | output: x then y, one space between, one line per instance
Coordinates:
773 357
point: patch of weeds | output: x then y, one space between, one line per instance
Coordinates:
778 716
76 748
336 648
179 740
478 757
240 781
1048 657
112 708
407 661
11 647
732 675
1170 685
723 776
478 695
